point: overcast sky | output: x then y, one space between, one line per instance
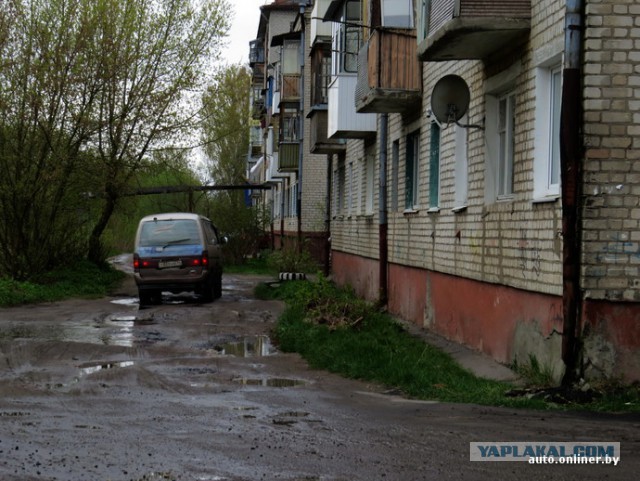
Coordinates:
243 30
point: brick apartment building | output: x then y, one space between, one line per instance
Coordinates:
484 161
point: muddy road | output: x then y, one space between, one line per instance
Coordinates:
98 390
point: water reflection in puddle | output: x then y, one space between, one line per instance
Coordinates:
269 382
133 301
86 370
250 346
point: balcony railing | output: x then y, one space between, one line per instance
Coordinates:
470 29
389 73
289 156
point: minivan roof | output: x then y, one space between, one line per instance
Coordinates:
172 216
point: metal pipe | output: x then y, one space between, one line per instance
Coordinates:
327 240
383 227
301 117
571 171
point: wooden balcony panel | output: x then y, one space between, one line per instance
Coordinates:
390 75
290 88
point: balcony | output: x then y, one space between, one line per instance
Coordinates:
288 156
319 141
389 74
343 120
471 29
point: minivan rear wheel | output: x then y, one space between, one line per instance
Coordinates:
206 290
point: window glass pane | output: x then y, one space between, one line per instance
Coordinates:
397 13
506 125
350 43
412 165
434 166
290 60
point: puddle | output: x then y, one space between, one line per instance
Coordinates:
269 382
132 301
93 368
251 346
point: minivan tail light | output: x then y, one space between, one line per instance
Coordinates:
205 259
136 262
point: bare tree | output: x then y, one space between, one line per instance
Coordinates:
154 51
87 89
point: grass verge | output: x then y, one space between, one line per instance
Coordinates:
84 279
334 330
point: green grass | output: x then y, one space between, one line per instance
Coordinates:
334 330
84 279
251 266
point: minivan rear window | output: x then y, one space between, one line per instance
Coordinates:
169 232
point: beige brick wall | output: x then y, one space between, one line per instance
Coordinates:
519 242
514 242
612 140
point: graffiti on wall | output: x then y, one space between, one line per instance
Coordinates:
619 249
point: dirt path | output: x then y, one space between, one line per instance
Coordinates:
98 390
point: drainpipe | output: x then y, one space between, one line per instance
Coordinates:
571 170
382 239
301 123
327 240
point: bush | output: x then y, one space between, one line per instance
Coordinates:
291 260
84 279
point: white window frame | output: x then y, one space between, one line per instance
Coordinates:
500 139
546 168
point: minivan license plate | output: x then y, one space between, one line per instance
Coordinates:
168 264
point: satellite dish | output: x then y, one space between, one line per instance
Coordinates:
450 99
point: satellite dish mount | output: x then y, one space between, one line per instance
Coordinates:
450 101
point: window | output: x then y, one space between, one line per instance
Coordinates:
293 210
547 139
369 183
340 187
290 122
434 166
506 143
395 165
411 172
346 42
461 166
350 188
423 10
397 13
290 57
500 125
320 77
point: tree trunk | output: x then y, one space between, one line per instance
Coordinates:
96 252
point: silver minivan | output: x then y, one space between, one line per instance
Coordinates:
177 252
